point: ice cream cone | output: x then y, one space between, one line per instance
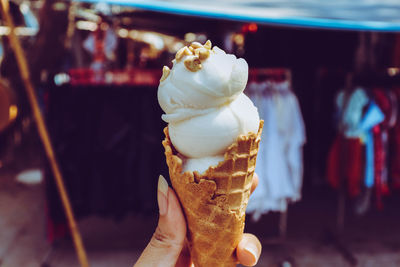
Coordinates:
214 202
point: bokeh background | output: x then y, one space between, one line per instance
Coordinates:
95 67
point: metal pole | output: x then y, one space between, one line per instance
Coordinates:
283 224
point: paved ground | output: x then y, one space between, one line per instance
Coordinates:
372 240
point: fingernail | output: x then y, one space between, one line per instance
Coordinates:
253 251
162 195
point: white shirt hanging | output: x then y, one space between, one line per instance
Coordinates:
280 161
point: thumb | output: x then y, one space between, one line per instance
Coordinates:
167 242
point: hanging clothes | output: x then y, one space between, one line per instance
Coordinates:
365 122
280 160
358 116
345 160
381 137
344 164
372 118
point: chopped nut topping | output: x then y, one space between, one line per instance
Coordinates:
184 51
197 52
202 53
196 45
193 64
208 45
188 52
165 73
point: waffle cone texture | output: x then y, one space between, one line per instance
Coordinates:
215 202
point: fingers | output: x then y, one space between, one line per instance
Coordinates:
167 242
255 183
165 247
184 259
249 250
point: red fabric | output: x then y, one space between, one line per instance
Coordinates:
333 170
380 162
383 101
346 161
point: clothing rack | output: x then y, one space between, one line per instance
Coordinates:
383 80
380 79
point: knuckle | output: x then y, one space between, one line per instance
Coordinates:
162 239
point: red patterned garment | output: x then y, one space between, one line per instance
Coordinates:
380 133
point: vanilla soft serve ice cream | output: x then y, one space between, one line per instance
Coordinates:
205 108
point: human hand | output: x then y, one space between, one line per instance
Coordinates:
167 247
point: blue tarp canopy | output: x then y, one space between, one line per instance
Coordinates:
364 15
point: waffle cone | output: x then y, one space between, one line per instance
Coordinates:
214 202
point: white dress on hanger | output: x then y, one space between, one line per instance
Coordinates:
279 162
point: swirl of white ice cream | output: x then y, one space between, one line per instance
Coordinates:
207 110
